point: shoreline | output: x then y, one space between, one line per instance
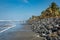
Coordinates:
19 35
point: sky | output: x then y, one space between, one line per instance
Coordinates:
23 9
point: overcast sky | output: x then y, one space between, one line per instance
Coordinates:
22 9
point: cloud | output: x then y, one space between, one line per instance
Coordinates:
26 1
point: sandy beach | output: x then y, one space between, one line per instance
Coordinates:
24 34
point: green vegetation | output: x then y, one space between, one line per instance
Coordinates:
52 11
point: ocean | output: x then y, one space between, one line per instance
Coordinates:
14 31
10 26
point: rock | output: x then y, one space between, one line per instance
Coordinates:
46 26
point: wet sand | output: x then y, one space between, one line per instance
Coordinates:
24 34
19 35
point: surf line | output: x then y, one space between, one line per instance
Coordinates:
7 29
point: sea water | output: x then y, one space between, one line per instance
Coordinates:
8 28
15 26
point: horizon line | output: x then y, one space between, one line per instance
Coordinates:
13 20
10 20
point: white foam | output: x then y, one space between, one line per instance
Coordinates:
7 29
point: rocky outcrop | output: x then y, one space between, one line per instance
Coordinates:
47 27
52 11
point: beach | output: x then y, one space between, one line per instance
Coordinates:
24 34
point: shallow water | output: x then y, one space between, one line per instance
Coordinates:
18 27
18 32
6 35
